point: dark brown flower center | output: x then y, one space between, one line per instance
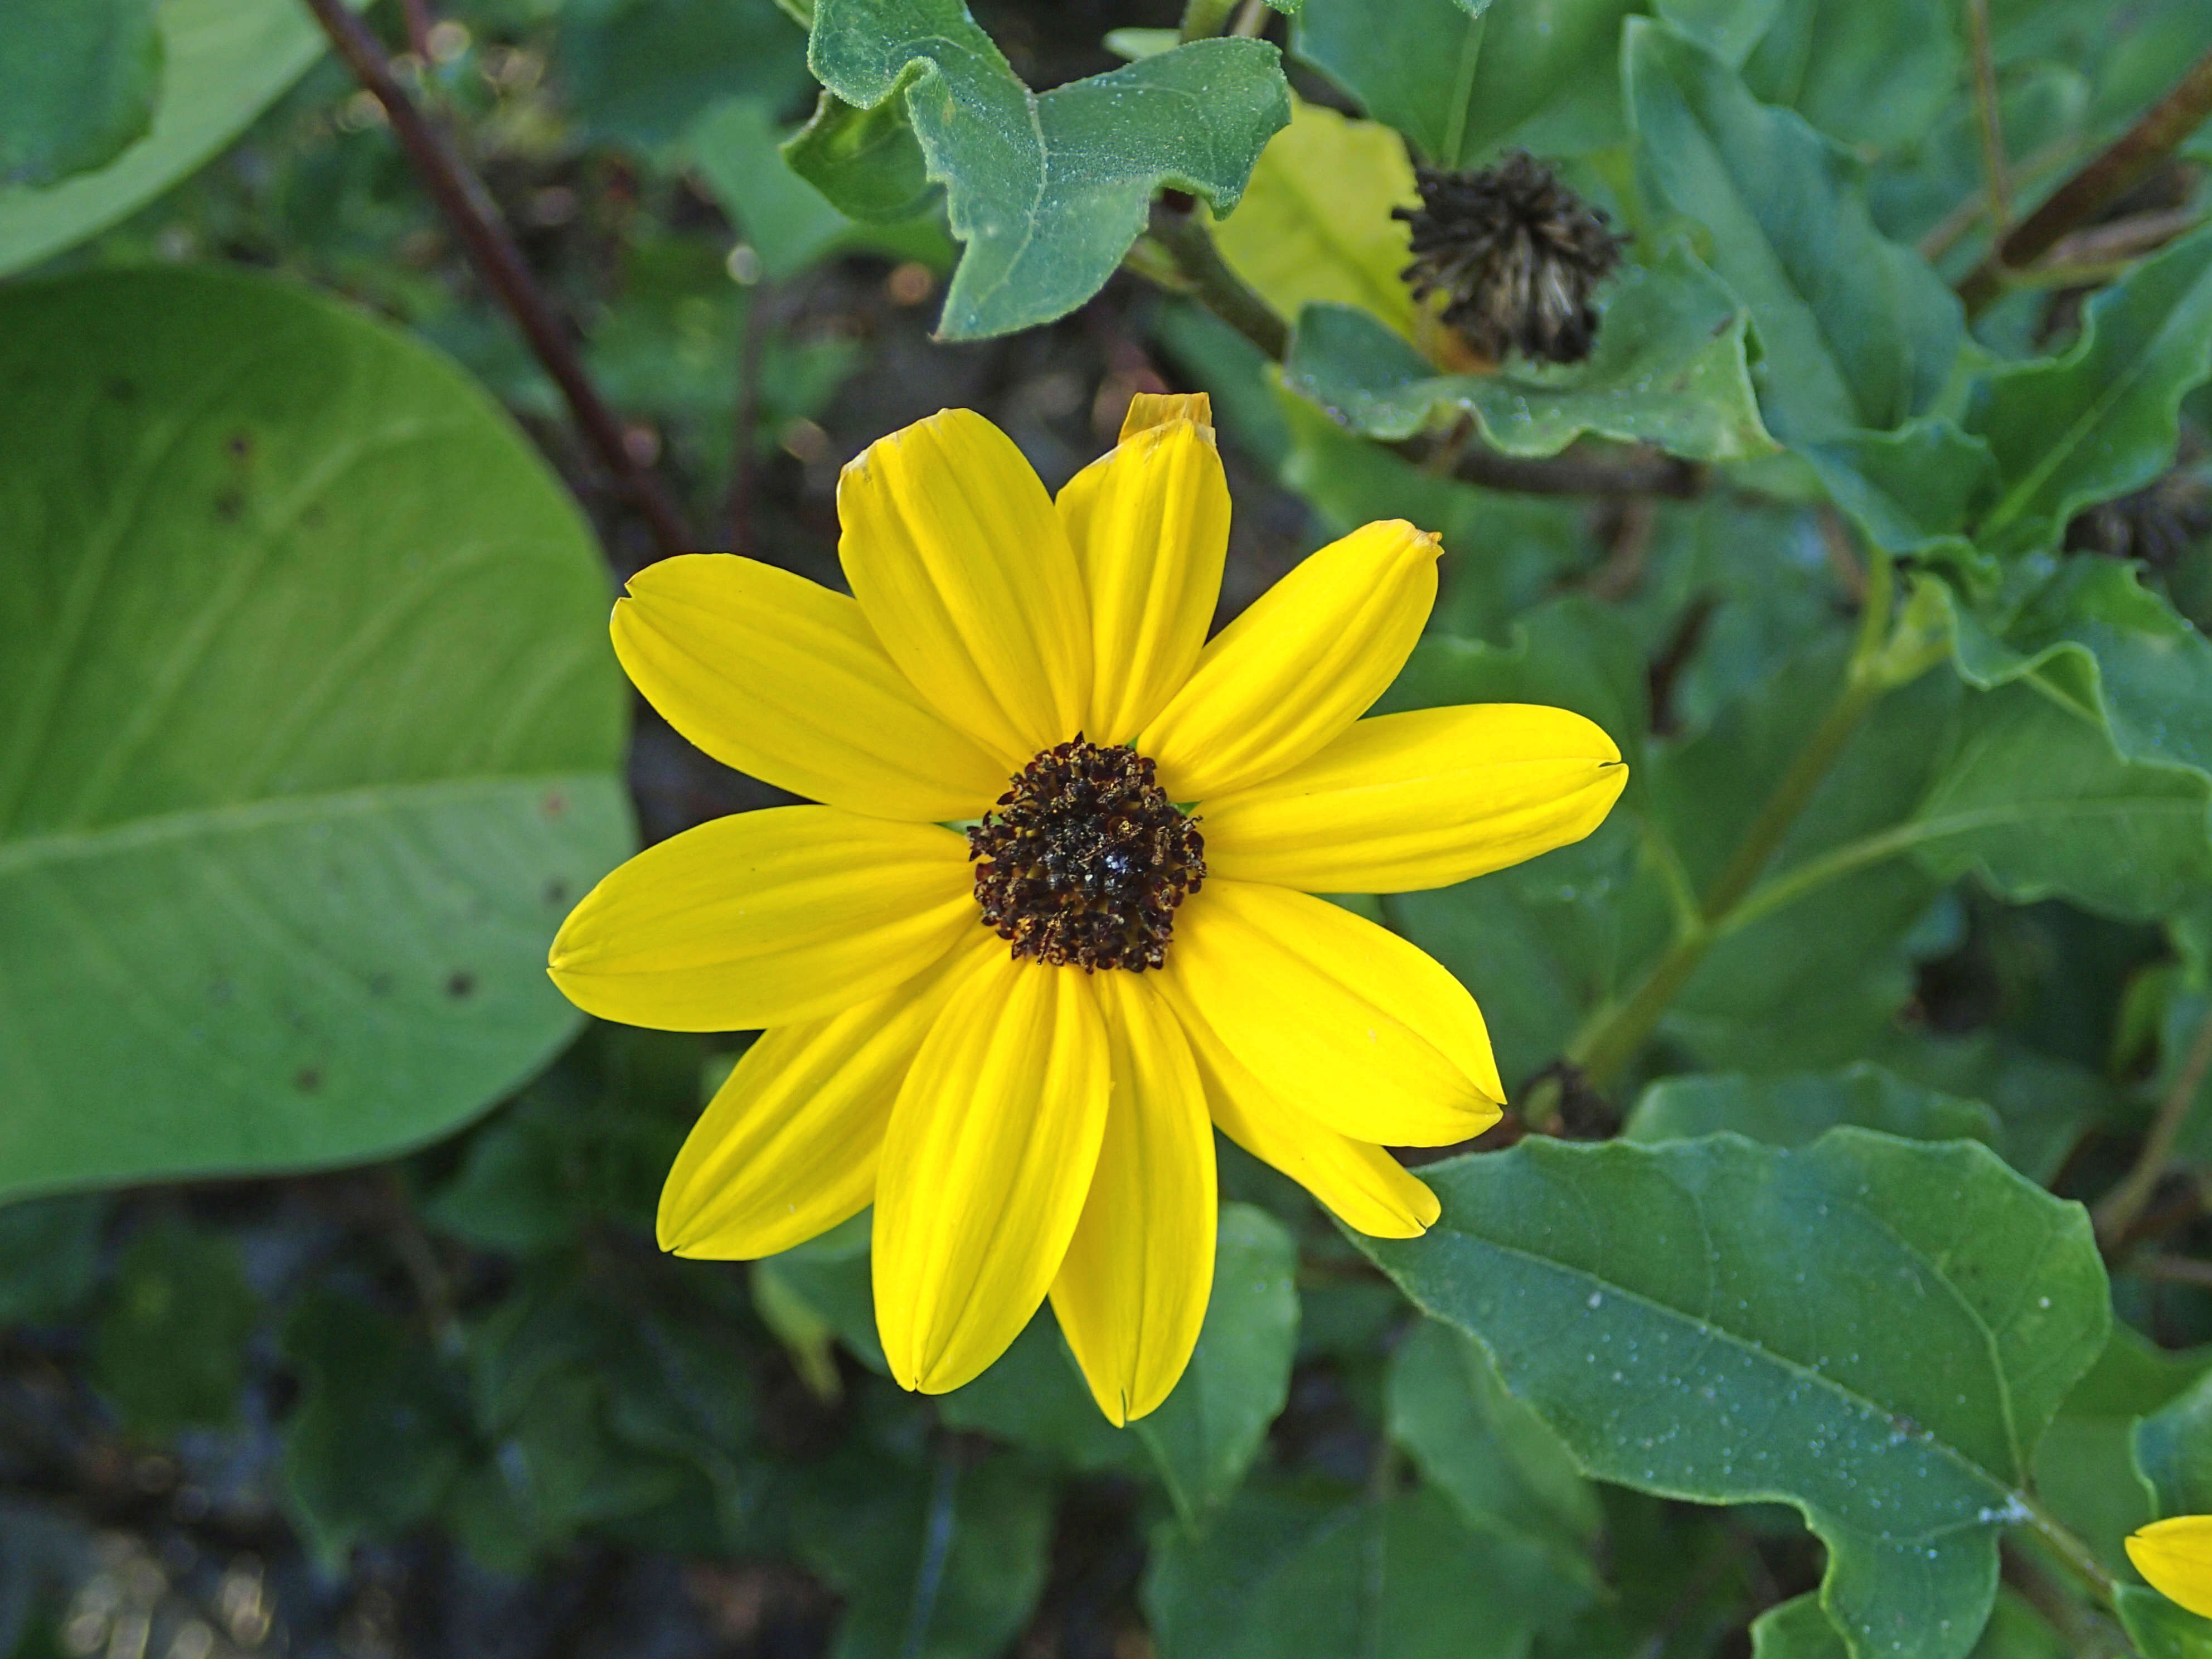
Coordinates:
1084 859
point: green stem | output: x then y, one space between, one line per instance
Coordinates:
1204 19
2116 1214
2077 1557
1882 659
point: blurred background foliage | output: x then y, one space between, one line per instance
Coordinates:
455 1402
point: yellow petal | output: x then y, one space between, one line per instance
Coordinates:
2175 1555
958 559
990 1152
1133 1288
765 918
788 1147
1148 410
1424 799
780 678
1300 665
1362 1185
1337 1018
1150 524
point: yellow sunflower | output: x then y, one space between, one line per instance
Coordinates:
1051 923
2175 1555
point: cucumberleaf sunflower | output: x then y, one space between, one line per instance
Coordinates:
1051 924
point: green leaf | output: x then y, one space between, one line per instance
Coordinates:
2103 419
1461 81
1316 225
1503 1471
2174 1448
379 1430
309 734
1287 1572
866 163
639 71
943 1565
1875 1331
1796 1629
1034 1396
78 84
1206 1435
1668 370
1858 331
1798 1110
170 1346
2044 1104
1875 76
49 1256
1048 190
224 61
2160 1630
1727 28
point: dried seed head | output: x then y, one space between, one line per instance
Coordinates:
1516 254
1085 859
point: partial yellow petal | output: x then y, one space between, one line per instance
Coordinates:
1362 1185
765 918
1424 799
1337 1018
788 1147
1150 524
2175 1555
780 678
1133 1288
1299 666
960 562
1148 410
990 1153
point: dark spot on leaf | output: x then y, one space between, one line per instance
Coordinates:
380 985
313 518
460 983
120 390
1724 325
238 446
556 891
308 1079
229 506
555 804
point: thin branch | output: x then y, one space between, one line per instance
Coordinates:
2102 181
468 207
2123 238
1972 209
1252 20
2117 1212
1987 117
1208 278
2176 1270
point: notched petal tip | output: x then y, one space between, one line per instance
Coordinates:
1149 409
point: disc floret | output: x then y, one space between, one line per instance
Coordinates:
1084 859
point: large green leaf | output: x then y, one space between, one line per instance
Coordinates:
2160 1630
1798 1110
224 60
1668 370
1049 191
1875 1331
308 726
1858 331
1289 1572
1460 78
77 82
2103 419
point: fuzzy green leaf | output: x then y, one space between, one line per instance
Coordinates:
1873 1330
309 734
1798 1110
1048 190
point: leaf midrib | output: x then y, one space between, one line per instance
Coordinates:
242 818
